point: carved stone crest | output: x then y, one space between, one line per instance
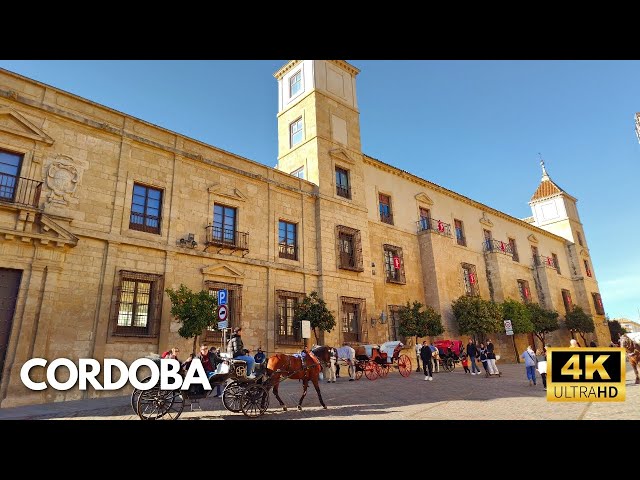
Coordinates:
62 177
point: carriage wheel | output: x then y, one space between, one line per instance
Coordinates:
404 365
370 370
232 396
452 365
136 394
448 365
156 404
255 401
384 369
358 374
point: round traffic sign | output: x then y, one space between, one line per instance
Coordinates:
223 312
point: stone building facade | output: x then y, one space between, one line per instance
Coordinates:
100 212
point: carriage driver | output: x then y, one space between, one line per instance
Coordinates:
236 349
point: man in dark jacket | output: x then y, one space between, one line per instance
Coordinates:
235 348
425 356
491 356
472 351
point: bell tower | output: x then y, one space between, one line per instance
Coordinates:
318 121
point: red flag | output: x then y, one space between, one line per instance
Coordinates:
548 261
472 279
526 293
502 246
396 263
440 226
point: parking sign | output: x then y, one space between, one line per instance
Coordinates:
222 297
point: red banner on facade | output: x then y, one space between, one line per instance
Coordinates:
396 263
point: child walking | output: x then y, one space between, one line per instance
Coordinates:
465 362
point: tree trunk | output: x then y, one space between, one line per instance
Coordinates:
195 342
584 340
315 334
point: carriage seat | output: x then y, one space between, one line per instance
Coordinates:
221 369
225 356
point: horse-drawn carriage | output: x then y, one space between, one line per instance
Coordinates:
373 360
449 352
240 394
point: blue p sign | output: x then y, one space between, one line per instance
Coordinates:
222 297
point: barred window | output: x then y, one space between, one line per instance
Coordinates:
556 262
535 255
349 248
234 304
288 332
353 311
459 226
384 205
394 264
394 323
470 279
138 304
586 268
525 293
514 250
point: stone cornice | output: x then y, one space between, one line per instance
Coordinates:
293 63
450 193
346 66
284 69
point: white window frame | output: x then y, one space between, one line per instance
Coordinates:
299 131
292 83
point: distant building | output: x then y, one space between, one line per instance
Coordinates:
629 325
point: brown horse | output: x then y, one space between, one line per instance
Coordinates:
633 353
290 366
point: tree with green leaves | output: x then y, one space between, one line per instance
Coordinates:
544 321
520 320
415 322
314 309
615 329
579 321
477 317
195 311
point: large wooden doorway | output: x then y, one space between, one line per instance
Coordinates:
9 286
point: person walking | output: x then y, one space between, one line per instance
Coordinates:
425 355
541 356
418 348
491 357
464 359
435 357
331 369
530 364
472 351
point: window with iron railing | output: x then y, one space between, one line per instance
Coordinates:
343 186
352 313
470 279
385 209
514 250
138 304
434 225
497 246
13 188
459 227
535 255
586 268
556 263
523 288
597 303
288 331
394 322
393 264
146 205
349 248
287 240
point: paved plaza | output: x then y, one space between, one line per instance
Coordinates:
450 396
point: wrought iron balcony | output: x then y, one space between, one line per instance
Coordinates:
343 191
227 238
543 260
497 246
434 225
20 190
144 223
288 251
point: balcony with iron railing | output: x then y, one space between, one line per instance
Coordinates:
433 225
288 251
144 223
497 246
20 191
544 261
226 238
343 191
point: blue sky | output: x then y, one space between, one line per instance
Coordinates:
475 127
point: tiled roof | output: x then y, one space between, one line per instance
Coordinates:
546 189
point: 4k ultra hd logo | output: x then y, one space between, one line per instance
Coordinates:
586 375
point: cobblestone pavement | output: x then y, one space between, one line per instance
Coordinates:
450 396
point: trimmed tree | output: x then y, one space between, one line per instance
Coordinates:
544 321
520 320
477 317
578 321
195 311
414 322
314 309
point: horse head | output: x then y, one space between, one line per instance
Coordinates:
322 354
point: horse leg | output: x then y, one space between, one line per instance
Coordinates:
635 369
305 385
275 392
317 387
